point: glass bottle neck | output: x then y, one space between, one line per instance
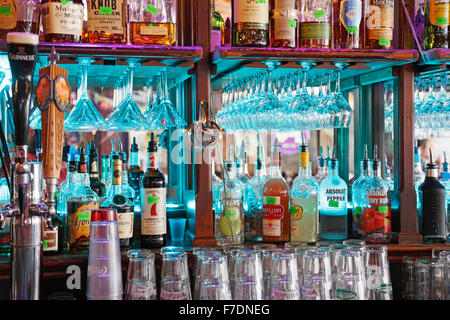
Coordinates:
93 169
152 160
275 166
134 159
334 172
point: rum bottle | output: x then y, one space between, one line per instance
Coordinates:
250 21
379 24
153 219
437 13
62 20
348 27
106 21
316 17
283 23
304 209
276 202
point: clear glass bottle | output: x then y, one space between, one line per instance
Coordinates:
153 22
333 205
437 14
241 164
106 178
322 173
250 23
379 24
135 174
80 202
107 21
283 23
316 17
276 196
376 216
254 213
124 207
359 195
304 209
216 185
348 26
229 224
217 27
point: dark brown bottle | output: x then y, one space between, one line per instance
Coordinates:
96 184
153 218
62 20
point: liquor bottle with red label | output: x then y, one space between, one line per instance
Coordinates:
376 216
276 202
153 195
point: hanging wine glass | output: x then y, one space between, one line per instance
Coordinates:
127 116
84 117
438 106
343 116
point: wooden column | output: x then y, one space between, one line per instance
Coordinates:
204 219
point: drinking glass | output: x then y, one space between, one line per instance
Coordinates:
267 256
84 117
437 280
200 254
141 281
440 253
422 282
152 109
378 279
177 229
214 283
344 113
175 283
231 254
350 276
408 278
171 249
284 276
249 279
317 279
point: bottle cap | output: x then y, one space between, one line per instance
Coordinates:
103 214
333 163
366 158
376 162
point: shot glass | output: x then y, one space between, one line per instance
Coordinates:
175 283
249 279
284 276
177 229
141 281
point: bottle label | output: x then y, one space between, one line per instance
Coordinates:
284 4
79 221
380 21
125 220
50 240
105 16
62 19
254 11
8 15
169 295
351 14
376 217
439 13
357 222
152 30
315 31
304 219
284 28
334 196
272 216
153 219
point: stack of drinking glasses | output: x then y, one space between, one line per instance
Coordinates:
285 104
427 278
344 271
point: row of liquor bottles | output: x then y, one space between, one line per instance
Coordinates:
139 199
264 208
140 22
341 24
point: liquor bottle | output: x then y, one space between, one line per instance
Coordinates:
124 207
62 20
96 184
154 23
316 17
135 174
250 23
254 213
106 172
419 177
241 164
226 34
445 180
216 185
436 24
8 17
283 23
304 210
376 216
153 220
433 206
229 223
379 24
322 173
28 14
348 27
66 189
127 190
276 201
80 202
333 204
106 21
217 25
359 195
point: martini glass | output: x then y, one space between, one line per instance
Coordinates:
152 110
84 117
127 116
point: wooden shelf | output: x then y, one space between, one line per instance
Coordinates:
435 57
234 63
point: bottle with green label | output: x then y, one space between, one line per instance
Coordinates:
348 26
283 23
229 223
437 15
8 17
304 209
333 204
106 21
315 29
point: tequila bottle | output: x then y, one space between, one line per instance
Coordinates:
376 216
359 195
333 205
304 209
254 214
276 202
229 229
135 175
